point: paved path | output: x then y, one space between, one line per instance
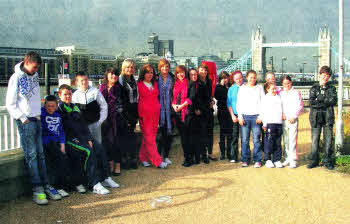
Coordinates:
216 193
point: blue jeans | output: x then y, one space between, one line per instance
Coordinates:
250 125
32 146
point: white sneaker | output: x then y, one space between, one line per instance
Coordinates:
99 189
257 165
81 189
163 165
145 164
232 161
52 193
293 165
278 164
63 193
109 182
167 160
40 198
285 163
269 164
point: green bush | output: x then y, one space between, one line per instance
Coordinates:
343 163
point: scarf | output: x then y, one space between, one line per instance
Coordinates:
131 87
181 96
164 96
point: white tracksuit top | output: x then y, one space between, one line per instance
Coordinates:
292 103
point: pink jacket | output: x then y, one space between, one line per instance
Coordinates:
180 88
292 103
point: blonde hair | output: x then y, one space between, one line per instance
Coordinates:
126 63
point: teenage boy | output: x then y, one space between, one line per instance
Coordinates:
91 103
53 142
81 146
323 97
23 104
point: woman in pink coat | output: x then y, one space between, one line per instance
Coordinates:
149 110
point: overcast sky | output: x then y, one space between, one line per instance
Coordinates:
197 26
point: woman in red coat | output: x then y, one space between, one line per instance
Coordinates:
149 110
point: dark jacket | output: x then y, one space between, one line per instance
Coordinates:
74 126
200 95
220 95
322 100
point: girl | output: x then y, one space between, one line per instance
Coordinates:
271 115
292 105
248 109
226 126
165 87
203 72
199 93
128 136
148 108
111 91
180 103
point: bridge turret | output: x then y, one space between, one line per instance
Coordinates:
258 53
324 40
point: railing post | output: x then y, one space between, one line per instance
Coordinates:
5 133
12 133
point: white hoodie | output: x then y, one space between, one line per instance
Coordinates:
271 109
23 95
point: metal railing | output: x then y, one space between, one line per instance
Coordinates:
9 135
10 139
304 91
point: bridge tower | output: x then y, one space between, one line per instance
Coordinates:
258 53
324 47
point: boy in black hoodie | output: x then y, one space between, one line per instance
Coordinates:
81 145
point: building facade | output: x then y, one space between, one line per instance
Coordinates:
160 47
10 56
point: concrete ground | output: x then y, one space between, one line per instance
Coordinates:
216 193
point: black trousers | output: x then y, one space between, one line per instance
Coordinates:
226 130
210 132
87 162
112 148
56 163
198 135
165 141
235 139
128 145
273 142
183 132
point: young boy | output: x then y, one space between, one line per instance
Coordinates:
53 142
323 97
91 103
81 145
23 104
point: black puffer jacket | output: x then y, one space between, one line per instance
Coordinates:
322 100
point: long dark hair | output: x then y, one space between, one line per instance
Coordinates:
112 70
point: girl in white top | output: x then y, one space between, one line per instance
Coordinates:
248 109
292 104
271 115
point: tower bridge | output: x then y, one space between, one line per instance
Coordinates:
259 46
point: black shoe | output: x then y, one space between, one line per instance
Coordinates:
312 165
222 157
187 163
133 165
197 161
212 158
329 166
116 174
206 160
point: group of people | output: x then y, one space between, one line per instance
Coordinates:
87 135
